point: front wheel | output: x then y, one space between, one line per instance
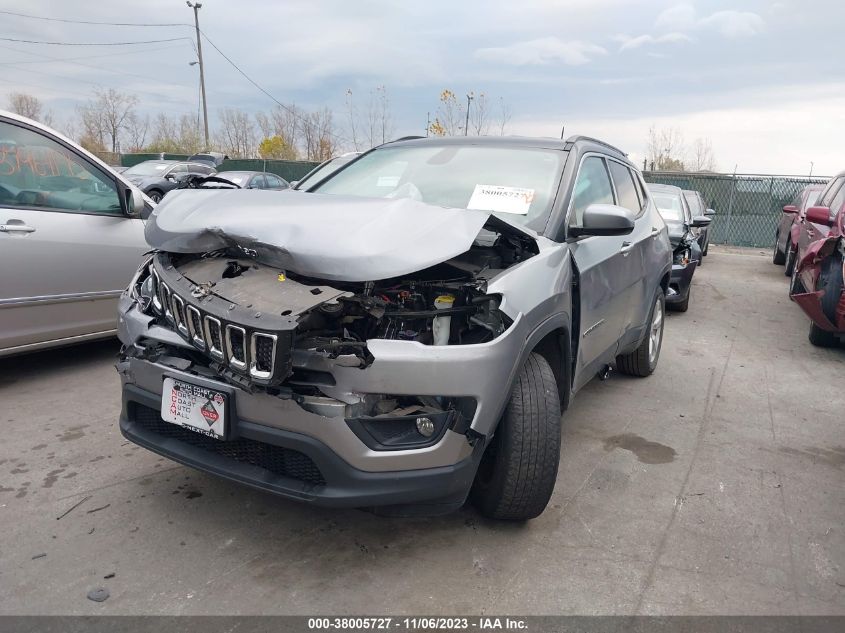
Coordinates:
643 360
821 338
778 256
518 471
791 256
155 195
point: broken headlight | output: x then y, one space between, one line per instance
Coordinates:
142 288
682 257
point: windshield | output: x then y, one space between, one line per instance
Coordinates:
517 182
694 203
148 168
669 205
329 167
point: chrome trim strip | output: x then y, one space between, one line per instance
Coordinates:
196 337
156 302
234 362
215 351
253 366
15 302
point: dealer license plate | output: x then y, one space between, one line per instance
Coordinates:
197 408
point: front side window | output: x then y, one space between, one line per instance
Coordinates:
517 182
626 190
37 171
694 203
812 197
257 182
591 187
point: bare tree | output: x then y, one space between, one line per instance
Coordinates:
375 125
137 128
106 117
29 106
318 136
665 149
479 115
505 115
701 155
237 136
450 117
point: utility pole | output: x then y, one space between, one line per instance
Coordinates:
466 125
811 169
427 123
196 6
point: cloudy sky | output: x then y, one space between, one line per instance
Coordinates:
764 81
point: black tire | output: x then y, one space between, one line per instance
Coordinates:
682 306
821 338
706 244
830 281
641 362
518 471
791 256
155 195
795 285
778 256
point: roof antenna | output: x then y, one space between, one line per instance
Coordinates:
562 131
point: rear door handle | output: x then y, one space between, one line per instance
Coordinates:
16 227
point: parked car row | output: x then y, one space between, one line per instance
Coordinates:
688 221
810 242
158 177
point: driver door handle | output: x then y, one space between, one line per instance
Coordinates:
626 248
655 231
16 227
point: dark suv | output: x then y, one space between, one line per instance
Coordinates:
406 335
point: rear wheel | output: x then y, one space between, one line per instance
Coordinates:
778 256
830 281
643 360
682 306
517 474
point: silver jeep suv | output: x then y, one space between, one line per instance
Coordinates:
403 336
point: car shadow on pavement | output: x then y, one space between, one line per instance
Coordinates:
54 362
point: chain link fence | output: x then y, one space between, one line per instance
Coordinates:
748 207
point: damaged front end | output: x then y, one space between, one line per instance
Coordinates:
386 375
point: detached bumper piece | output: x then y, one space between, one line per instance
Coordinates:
294 465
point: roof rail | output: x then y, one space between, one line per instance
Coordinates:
405 138
590 139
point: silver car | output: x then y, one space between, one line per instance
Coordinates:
403 337
71 238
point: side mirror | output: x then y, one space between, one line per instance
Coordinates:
133 202
293 183
709 212
604 219
700 221
790 208
819 215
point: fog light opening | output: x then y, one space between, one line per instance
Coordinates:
425 427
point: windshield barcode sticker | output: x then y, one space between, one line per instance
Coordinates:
502 199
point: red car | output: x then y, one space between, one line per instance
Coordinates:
817 284
787 233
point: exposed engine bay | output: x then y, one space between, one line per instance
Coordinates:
263 328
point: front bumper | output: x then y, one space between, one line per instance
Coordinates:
294 465
680 281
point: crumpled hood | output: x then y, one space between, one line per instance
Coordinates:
336 238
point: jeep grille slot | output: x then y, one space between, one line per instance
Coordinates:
214 337
236 346
195 327
262 352
156 291
164 297
178 308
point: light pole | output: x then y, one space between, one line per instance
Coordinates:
196 6
811 169
466 125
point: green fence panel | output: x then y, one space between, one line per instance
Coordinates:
748 207
287 169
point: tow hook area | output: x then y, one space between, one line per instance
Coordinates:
604 372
